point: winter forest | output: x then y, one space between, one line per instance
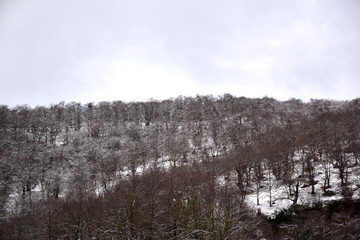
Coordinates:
199 167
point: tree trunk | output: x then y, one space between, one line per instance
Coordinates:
296 193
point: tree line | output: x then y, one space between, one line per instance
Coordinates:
154 170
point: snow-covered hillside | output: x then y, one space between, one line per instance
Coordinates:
182 168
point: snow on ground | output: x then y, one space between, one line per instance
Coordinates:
264 206
280 193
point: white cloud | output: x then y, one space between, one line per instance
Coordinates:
130 79
92 51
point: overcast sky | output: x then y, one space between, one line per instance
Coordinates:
92 50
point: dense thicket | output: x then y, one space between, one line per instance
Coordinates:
163 169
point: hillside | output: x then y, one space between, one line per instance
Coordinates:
186 168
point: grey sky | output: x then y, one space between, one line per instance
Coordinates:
92 51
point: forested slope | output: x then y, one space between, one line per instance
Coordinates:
182 168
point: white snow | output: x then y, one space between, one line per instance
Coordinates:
280 193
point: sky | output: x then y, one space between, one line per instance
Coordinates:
92 50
